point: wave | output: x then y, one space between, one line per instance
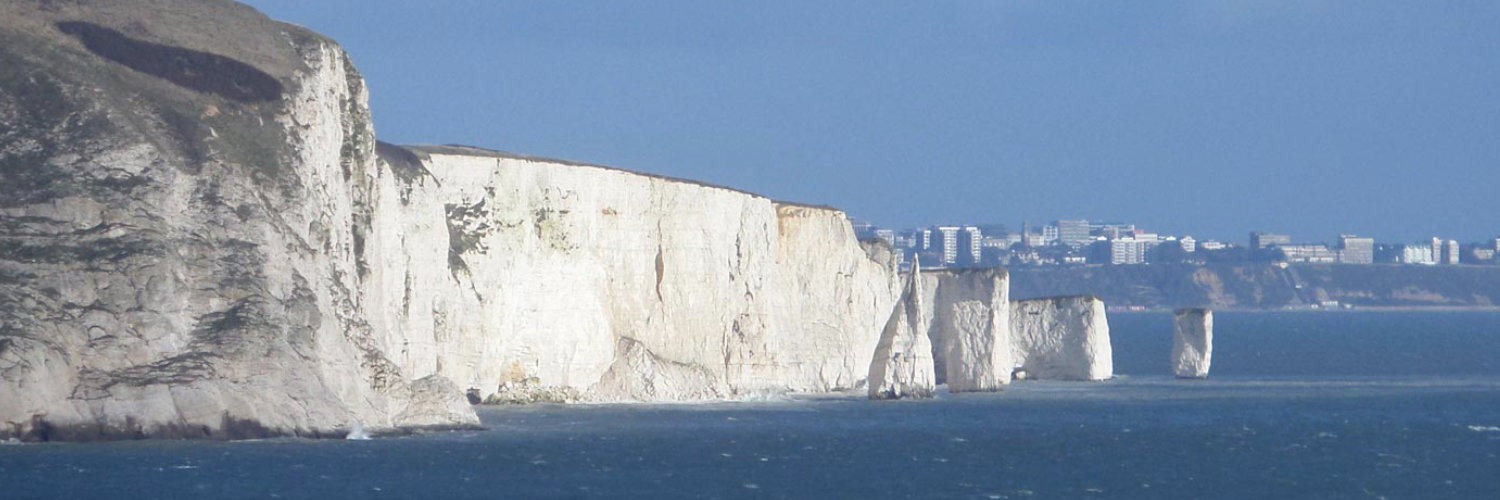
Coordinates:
357 432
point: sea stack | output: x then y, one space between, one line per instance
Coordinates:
1193 343
970 329
1061 338
902 365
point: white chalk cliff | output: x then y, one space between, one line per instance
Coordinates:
902 367
184 243
1192 342
592 283
970 327
1062 338
200 237
215 248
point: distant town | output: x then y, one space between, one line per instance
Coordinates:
1081 242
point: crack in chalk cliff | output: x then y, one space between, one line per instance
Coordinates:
660 268
739 252
408 285
660 261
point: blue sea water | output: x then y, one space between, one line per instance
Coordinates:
1300 405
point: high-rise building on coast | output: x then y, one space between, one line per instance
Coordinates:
1417 254
1125 251
946 241
1074 233
1356 249
970 245
1132 249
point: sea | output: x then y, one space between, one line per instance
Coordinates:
1318 405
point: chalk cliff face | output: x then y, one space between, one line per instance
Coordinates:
1063 338
200 237
1192 342
970 327
183 215
579 282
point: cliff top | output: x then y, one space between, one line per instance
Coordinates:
465 150
199 79
219 27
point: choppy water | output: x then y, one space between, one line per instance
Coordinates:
1303 405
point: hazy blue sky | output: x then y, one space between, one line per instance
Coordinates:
1210 119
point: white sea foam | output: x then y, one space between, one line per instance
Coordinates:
357 432
1483 428
763 396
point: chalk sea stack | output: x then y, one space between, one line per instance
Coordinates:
970 328
1062 338
902 366
1192 342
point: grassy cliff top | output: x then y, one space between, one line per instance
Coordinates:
221 27
202 80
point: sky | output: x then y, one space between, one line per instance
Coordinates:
1209 119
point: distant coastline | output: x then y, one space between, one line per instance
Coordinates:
1265 287
1399 309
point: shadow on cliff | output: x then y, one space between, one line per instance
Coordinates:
200 71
